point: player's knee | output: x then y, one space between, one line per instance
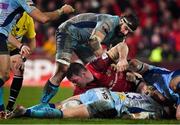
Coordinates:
101 109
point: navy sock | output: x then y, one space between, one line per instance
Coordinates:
14 91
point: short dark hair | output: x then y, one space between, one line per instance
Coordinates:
132 21
75 69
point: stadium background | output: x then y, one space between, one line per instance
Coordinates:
156 41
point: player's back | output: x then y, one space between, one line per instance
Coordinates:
89 20
80 27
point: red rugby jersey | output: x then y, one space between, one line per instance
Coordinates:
105 76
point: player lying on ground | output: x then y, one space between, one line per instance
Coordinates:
166 82
96 103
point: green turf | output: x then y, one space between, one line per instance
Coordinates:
31 96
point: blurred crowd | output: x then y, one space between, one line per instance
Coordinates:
157 39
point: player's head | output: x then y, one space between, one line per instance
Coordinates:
128 23
175 81
79 75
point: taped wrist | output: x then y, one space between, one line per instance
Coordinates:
138 81
59 11
140 67
21 47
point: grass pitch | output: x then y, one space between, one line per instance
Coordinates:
30 96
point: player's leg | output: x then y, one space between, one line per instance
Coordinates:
63 57
17 66
47 110
38 111
4 67
52 85
94 103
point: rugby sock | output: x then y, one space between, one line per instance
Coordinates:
44 111
41 106
49 91
14 91
1 100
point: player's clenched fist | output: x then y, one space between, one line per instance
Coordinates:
66 9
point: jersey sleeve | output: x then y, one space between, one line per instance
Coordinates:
104 27
107 24
31 29
25 6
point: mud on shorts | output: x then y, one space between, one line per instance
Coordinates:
3 44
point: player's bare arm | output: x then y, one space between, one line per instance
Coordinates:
23 48
45 17
137 66
119 54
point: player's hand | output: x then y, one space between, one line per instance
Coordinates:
122 65
130 77
66 9
25 51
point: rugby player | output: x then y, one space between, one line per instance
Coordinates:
166 82
9 12
23 28
88 31
96 103
100 73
